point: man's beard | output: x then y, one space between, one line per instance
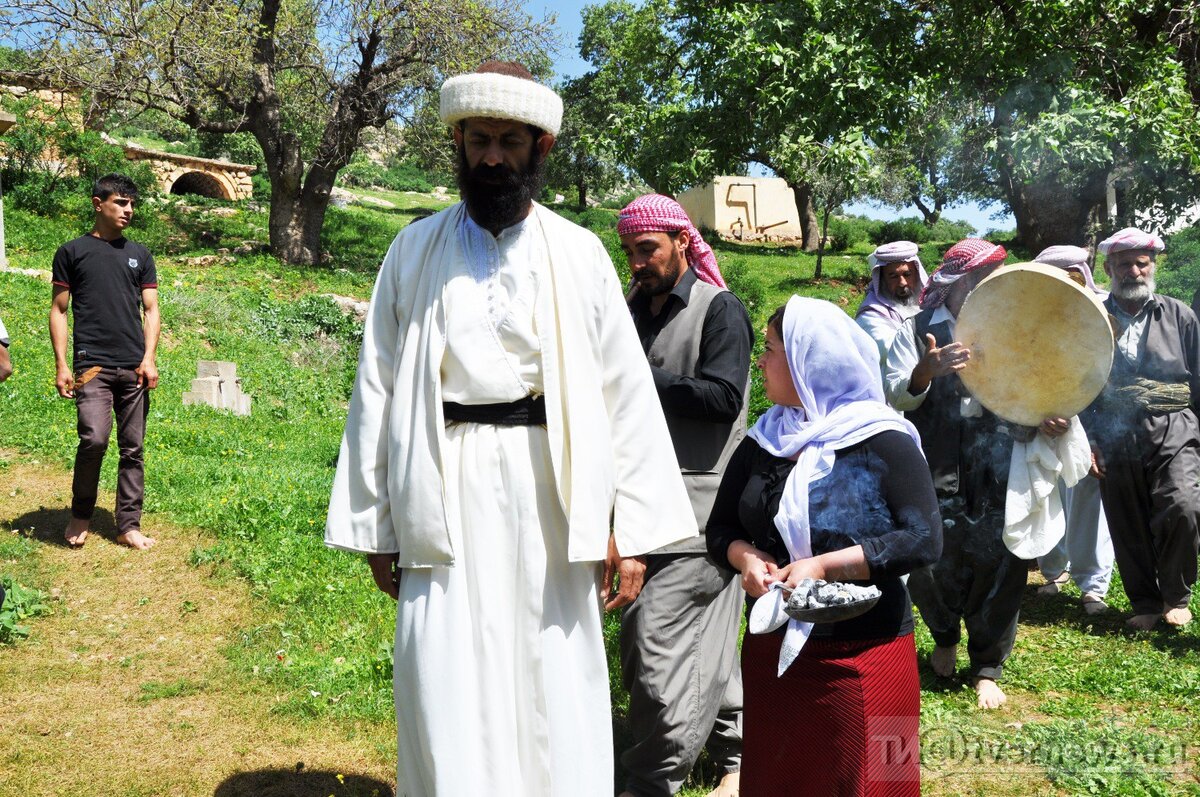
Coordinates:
656 285
910 300
1134 291
498 196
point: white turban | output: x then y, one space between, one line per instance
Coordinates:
1131 238
495 96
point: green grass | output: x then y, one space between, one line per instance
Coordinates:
155 690
260 485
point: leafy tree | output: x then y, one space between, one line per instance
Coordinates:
920 163
304 78
1073 92
704 87
574 163
50 160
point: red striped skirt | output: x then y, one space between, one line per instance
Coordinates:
841 721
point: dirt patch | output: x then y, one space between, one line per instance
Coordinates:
123 689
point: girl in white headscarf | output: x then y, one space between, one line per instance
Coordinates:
830 484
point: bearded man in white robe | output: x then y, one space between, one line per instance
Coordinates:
502 414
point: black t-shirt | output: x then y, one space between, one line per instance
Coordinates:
879 495
106 279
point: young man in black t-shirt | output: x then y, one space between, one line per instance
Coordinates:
112 289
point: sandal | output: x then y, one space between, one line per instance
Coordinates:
1054 585
1093 603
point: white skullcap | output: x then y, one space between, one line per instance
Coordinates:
1131 238
496 96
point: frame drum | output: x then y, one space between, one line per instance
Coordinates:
1041 345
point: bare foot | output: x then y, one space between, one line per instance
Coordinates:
136 540
943 660
77 531
988 694
1141 622
1178 617
729 785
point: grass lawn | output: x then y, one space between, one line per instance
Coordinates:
1093 709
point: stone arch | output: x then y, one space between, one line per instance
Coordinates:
202 183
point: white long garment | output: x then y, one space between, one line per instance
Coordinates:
904 354
501 679
614 465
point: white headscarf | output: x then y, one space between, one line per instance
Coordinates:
835 367
877 301
1130 238
1070 258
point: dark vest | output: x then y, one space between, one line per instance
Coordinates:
968 457
703 448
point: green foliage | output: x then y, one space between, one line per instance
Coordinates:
917 231
1178 271
51 162
20 604
405 176
848 232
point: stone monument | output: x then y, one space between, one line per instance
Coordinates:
217 385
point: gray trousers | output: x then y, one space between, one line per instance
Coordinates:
978 582
1153 509
679 661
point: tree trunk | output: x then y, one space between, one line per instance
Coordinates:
298 206
821 244
1050 211
581 187
809 230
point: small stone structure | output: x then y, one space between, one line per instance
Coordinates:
217 385
187 174
744 207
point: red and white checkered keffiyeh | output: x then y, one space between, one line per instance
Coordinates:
962 258
1131 238
658 213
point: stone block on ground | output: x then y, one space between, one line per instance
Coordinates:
217 385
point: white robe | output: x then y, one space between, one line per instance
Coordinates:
500 676
614 465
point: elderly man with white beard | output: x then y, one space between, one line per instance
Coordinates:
1146 436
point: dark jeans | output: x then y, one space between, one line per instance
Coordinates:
112 391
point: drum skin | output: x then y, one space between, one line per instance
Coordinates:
1041 345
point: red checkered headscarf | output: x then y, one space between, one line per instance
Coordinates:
658 213
962 258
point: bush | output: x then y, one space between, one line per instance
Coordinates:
906 229
917 231
847 232
953 231
50 162
365 173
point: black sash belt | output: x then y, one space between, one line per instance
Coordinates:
529 411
